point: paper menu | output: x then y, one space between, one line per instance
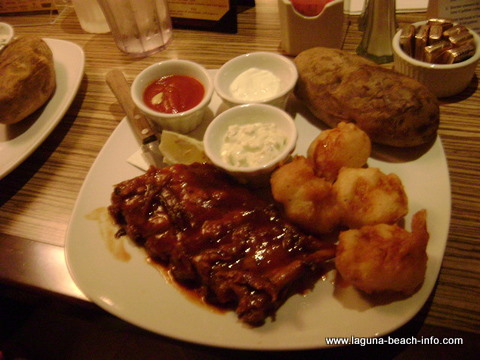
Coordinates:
466 12
212 10
356 6
213 15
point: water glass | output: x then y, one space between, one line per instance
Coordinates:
139 27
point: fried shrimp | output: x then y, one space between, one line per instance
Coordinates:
384 258
307 199
368 197
343 146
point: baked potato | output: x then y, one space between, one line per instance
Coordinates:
27 75
393 109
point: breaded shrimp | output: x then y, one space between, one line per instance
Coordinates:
307 199
344 146
384 258
368 197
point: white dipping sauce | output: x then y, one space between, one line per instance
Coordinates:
252 144
255 85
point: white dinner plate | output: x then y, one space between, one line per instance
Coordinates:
137 292
18 141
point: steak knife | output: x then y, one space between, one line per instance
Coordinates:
144 132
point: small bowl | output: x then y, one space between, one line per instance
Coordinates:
7 33
249 114
282 67
442 79
182 122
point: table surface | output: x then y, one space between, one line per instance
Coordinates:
37 198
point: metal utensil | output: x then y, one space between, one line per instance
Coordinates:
143 130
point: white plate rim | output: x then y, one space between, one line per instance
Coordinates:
284 333
69 60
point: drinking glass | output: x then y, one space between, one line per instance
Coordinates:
139 27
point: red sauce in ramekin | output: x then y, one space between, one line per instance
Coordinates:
173 94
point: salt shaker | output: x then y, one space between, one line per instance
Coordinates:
380 27
90 16
362 19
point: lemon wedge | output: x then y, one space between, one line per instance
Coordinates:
181 149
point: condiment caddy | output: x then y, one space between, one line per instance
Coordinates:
300 32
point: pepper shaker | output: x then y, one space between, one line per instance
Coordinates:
362 19
380 27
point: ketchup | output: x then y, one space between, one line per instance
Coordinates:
309 7
173 94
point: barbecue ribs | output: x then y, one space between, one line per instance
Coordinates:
218 238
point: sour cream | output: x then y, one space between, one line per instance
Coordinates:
255 85
251 145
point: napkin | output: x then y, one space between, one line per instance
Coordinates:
138 160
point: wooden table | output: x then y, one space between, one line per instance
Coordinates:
37 197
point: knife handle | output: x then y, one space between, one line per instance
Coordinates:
120 88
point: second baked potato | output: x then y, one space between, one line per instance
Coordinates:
391 108
27 76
